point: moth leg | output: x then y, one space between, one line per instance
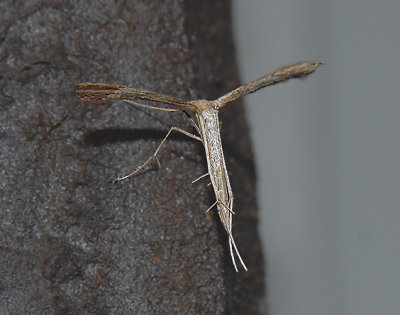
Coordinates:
154 156
227 208
212 206
202 176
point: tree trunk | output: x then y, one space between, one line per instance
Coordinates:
74 242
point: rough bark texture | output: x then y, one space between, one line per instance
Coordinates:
72 241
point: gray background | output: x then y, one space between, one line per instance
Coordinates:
327 152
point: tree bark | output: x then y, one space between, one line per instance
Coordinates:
71 240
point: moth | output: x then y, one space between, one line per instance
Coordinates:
207 125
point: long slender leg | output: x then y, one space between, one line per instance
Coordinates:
202 176
231 240
227 208
212 206
153 107
140 167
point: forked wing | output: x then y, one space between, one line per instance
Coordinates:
293 70
93 92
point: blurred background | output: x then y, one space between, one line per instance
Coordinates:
327 151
